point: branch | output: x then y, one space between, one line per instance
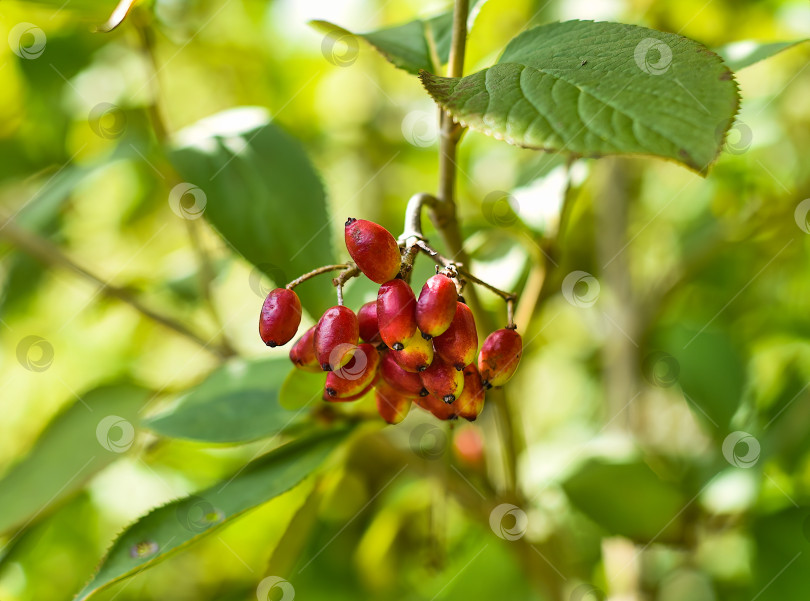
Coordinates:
50 255
314 272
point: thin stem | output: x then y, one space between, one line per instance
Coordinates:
351 271
147 38
509 297
50 255
458 43
413 216
443 213
314 272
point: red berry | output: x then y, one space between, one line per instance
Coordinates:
469 446
500 356
360 371
336 337
395 376
355 397
416 354
459 343
436 406
280 318
471 401
436 306
302 354
369 327
373 249
392 404
443 381
396 313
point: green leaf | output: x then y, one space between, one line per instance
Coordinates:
78 443
238 402
407 46
300 389
782 561
739 55
175 525
627 499
261 193
593 89
711 372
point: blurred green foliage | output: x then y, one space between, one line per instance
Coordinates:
662 403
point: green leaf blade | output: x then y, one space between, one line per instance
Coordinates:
169 528
644 508
739 55
592 89
238 402
69 451
262 194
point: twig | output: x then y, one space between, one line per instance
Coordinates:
50 255
350 272
314 272
509 297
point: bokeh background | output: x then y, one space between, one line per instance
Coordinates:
661 410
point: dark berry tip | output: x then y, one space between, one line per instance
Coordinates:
449 398
350 220
426 336
271 344
421 368
459 366
452 417
331 391
326 367
486 385
424 392
398 346
471 419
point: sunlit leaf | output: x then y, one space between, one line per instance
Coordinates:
83 439
238 402
255 184
407 46
627 499
711 373
177 524
740 55
592 89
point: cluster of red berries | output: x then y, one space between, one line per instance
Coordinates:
407 350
